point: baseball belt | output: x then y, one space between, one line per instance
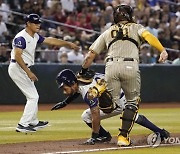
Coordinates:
14 61
116 59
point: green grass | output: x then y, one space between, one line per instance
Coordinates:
67 124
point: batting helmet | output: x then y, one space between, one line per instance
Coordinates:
122 13
66 77
33 18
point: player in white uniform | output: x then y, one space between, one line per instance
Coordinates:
22 58
72 87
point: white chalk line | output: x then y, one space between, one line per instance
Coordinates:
113 148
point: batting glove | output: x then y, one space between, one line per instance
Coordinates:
59 105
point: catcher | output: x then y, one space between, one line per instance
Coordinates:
92 87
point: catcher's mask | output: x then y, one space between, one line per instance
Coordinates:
66 77
122 13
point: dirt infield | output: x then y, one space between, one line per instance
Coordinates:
67 146
60 146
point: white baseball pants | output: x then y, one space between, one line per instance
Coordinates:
27 87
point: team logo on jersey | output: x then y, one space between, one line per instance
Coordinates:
92 102
18 44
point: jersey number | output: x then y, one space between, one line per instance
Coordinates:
124 32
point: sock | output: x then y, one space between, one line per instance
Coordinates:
102 131
143 121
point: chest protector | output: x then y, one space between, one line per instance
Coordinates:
120 36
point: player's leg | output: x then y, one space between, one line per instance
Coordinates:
143 121
86 117
103 134
29 90
130 82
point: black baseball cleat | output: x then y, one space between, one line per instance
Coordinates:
102 139
23 129
41 124
164 134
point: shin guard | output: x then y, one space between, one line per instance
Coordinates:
128 119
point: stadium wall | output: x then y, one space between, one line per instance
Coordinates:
160 83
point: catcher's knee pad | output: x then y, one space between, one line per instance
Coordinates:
130 112
86 116
131 107
134 102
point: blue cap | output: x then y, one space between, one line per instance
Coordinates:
33 18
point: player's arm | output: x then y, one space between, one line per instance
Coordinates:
65 102
152 40
19 60
86 64
88 59
95 112
95 115
59 42
93 105
96 48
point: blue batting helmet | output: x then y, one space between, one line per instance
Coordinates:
33 18
66 77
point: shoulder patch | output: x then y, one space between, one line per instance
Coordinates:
91 103
19 42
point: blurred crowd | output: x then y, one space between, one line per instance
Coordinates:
81 22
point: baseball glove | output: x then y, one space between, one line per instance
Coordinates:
105 102
105 98
98 89
86 77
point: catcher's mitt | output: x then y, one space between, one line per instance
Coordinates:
98 89
105 98
105 102
86 77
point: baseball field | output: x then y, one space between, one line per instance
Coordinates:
66 131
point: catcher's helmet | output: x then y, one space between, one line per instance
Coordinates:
33 18
66 77
122 13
